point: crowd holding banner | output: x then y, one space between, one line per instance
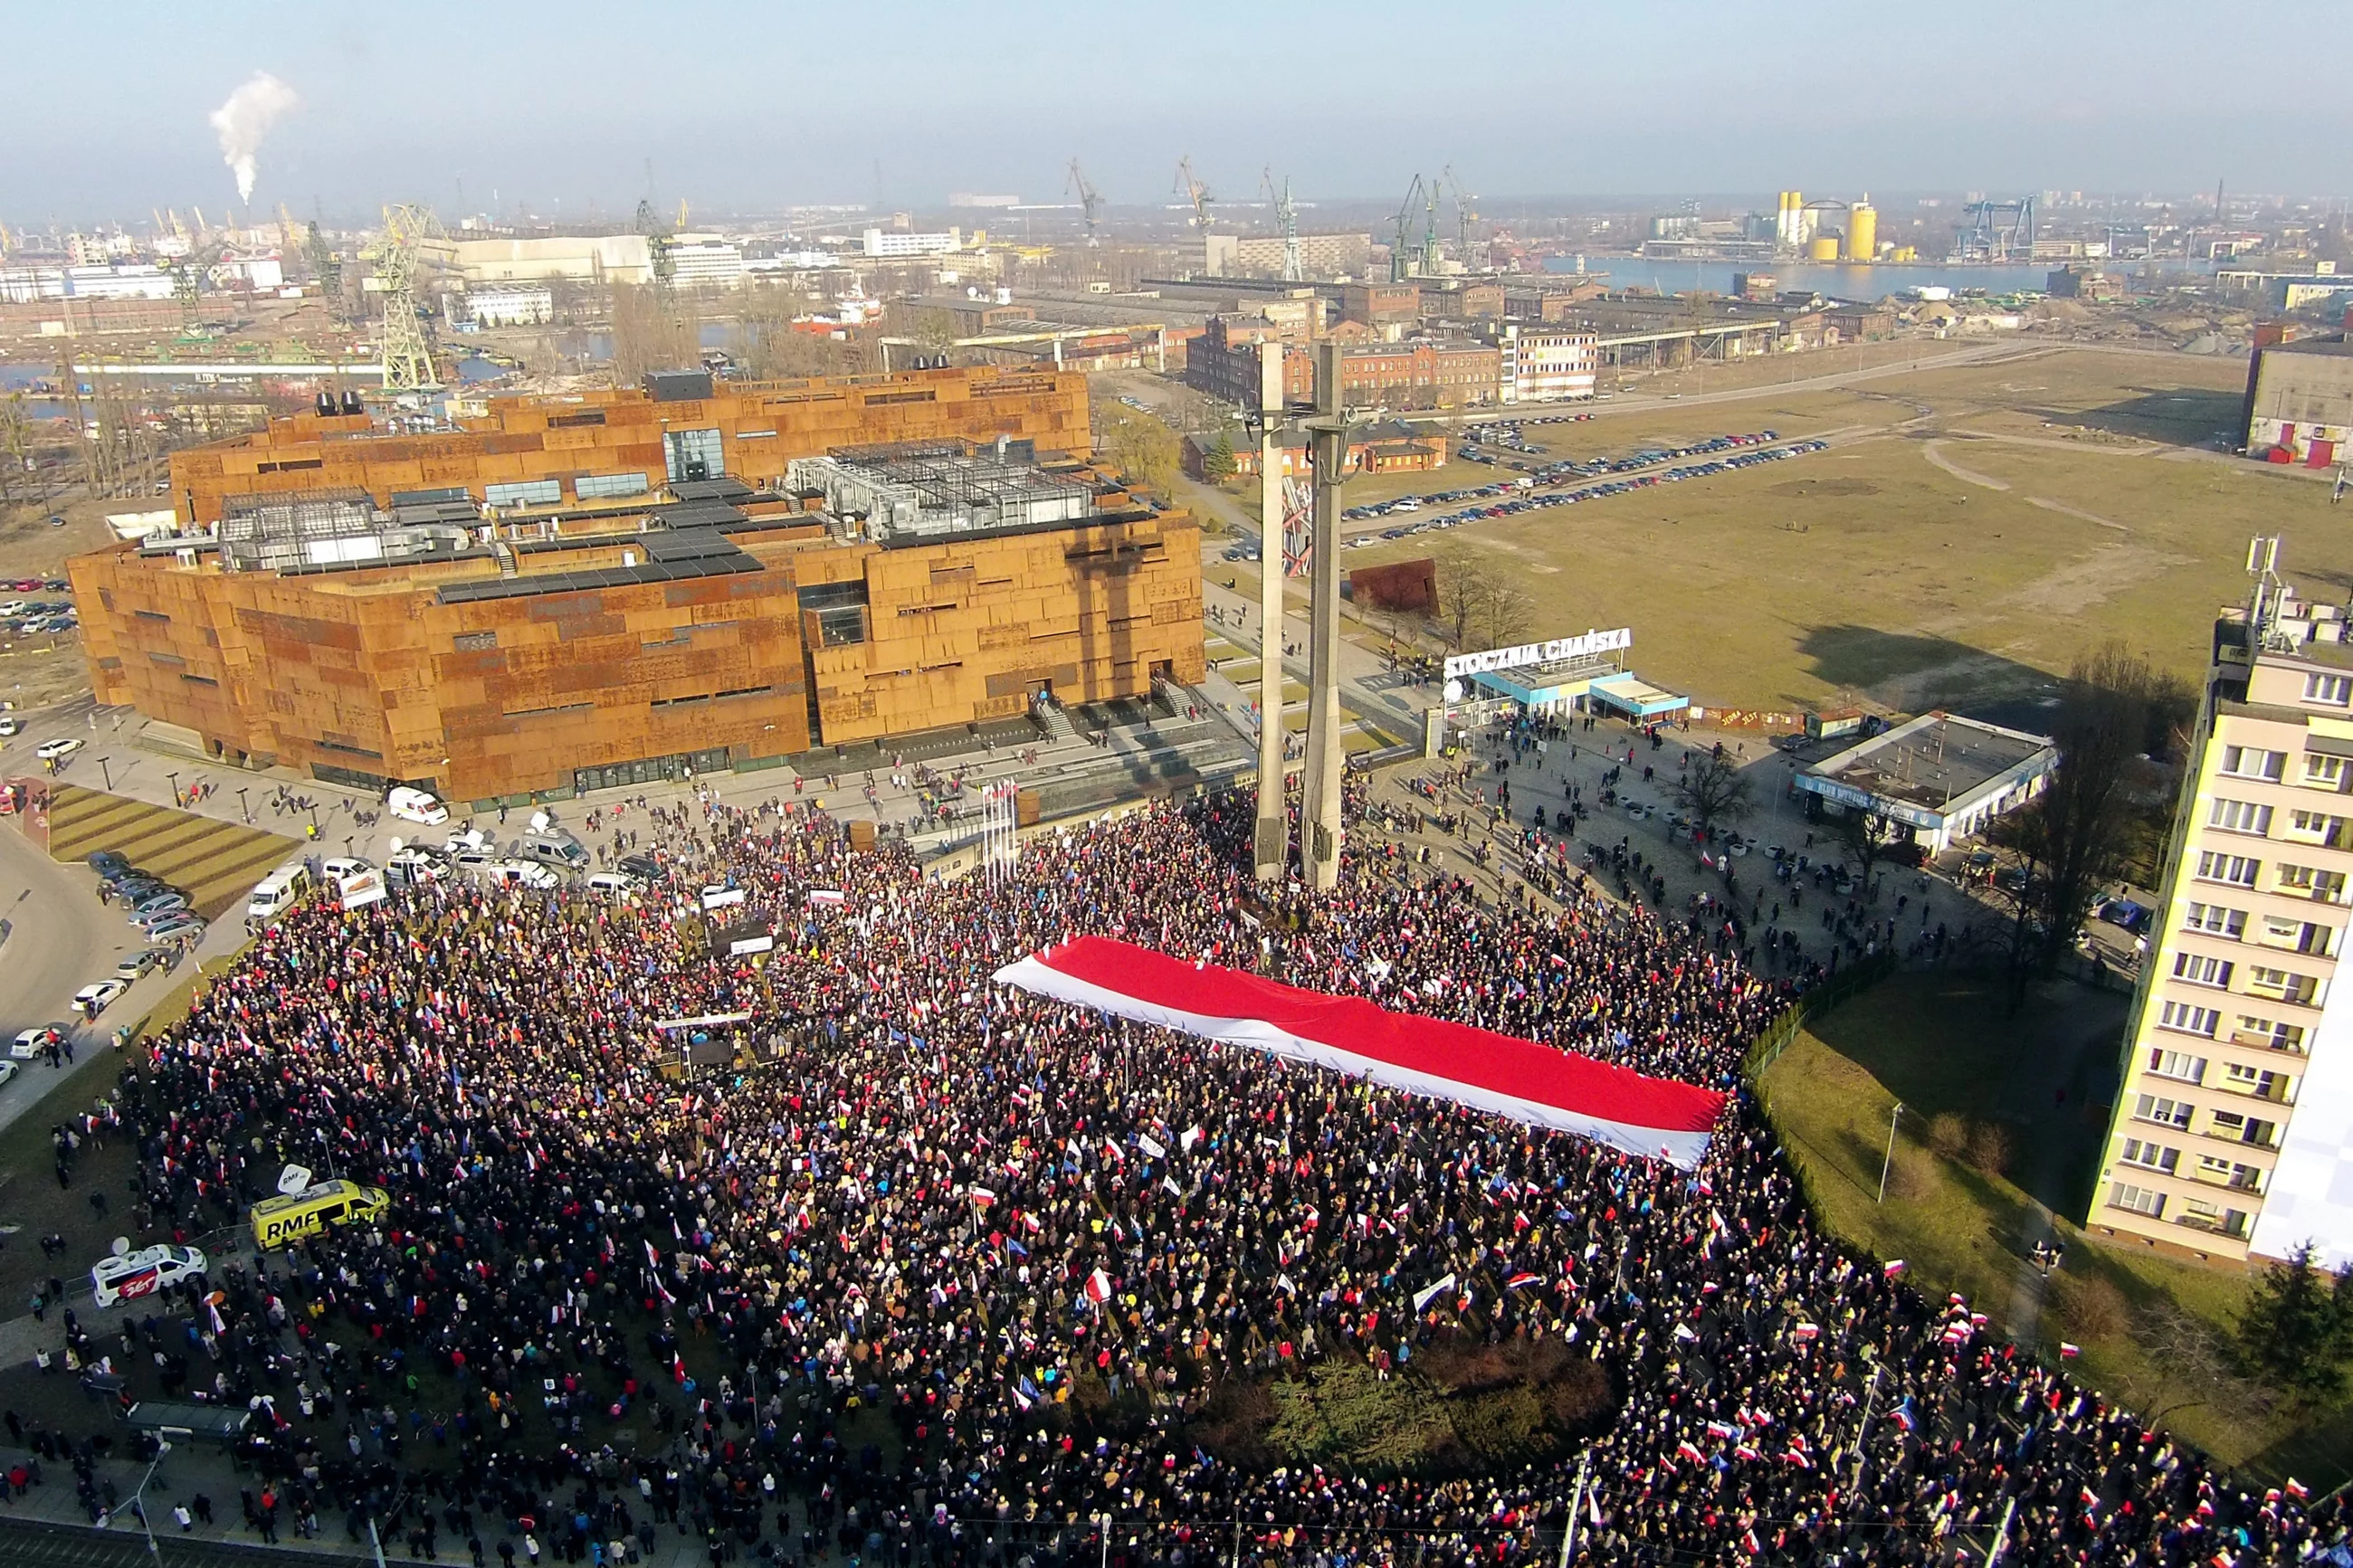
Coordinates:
1036 1237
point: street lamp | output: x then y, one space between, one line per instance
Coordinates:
105 772
175 787
138 1501
243 810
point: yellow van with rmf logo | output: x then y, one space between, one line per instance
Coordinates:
282 1221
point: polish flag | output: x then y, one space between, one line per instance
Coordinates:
1522 1079
1099 1286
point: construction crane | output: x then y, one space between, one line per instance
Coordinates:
1431 255
1402 253
1090 199
682 213
1465 214
1288 217
658 251
326 271
1193 191
285 228
407 356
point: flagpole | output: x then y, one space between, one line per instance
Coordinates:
2002 1536
1884 1164
1576 1503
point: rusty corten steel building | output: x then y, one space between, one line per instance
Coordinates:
388 634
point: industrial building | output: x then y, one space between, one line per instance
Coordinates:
2299 404
2232 1134
1937 779
1415 372
607 446
437 639
1262 256
1545 365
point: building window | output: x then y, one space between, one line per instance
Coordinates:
2239 817
2327 887
2180 1064
2324 772
2242 1128
2215 919
2187 1019
2138 1199
2249 1080
598 486
2151 1156
2336 690
2268 1032
529 493
2202 969
2283 983
2252 763
2165 1112
474 642
2238 870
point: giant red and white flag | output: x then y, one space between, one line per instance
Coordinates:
1523 1079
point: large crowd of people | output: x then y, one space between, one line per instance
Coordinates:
935 1269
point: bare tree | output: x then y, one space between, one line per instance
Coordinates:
1143 449
1863 835
2076 835
1714 791
1478 605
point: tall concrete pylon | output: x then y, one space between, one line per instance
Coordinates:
1319 827
1273 843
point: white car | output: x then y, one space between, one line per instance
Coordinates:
63 746
93 999
520 874
11 726
128 1276
614 884
415 805
8 1071
338 866
30 1042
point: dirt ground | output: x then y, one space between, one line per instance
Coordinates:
1969 534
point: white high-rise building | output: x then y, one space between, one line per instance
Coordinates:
2233 1131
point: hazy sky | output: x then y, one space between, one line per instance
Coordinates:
758 105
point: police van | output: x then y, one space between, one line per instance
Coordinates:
282 1221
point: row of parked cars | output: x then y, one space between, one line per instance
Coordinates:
163 912
1565 472
1505 433
1527 501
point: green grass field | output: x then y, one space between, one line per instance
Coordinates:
1982 1140
1971 531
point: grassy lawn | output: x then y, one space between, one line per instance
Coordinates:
1984 1137
1874 569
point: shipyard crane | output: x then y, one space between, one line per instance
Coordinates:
326 271
1465 214
1090 199
1193 191
657 250
398 257
1287 216
1431 255
1402 253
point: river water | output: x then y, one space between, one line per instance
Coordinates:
1838 280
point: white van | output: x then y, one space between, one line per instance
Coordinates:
130 1275
277 893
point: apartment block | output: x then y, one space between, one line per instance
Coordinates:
2232 1134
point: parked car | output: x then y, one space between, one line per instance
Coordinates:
135 965
30 1042
613 884
94 998
109 862
521 874
8 1071
10 727
644 866
183 925
63 746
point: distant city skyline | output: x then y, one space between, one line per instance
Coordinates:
742 106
